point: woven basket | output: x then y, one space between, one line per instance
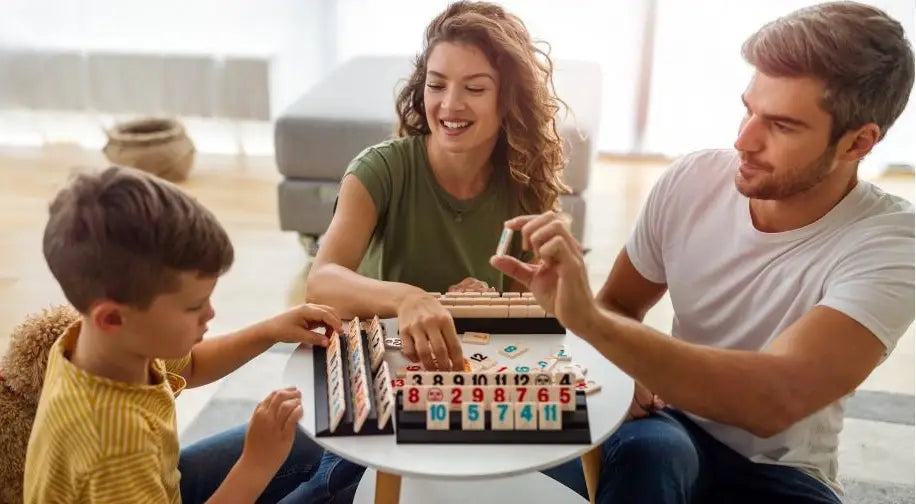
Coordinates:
155 145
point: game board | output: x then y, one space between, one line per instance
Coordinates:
505 394
510 408
492 312
345 404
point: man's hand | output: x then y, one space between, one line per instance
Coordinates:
428 334
271 431
297 325
644 402
557 277
470 284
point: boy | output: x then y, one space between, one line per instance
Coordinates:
139 260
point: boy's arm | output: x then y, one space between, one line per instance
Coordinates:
215 358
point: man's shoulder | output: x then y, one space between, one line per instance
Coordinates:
879 224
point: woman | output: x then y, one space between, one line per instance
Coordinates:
477 145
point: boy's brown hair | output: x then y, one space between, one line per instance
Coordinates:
859 52
124 235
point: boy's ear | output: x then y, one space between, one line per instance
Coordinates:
107 316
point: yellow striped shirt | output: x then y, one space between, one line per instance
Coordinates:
99 440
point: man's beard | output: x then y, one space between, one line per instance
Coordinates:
791 183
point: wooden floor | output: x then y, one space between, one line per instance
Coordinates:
270 265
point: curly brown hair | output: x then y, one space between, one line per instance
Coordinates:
528 139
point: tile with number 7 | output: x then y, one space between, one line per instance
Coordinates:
502 416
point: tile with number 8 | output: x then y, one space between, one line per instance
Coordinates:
514 350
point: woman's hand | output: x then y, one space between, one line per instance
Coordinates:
470 284
428 334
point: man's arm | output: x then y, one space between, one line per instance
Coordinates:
815 361
820 358
627 292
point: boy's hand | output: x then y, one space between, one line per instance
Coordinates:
271 431
296 325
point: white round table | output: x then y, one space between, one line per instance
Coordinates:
606 410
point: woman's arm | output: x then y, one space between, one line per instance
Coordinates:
426 328
333 279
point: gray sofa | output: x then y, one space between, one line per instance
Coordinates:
353 107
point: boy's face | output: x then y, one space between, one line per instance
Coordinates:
783 138
173 323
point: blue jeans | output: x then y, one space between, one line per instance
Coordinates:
666 458
309 474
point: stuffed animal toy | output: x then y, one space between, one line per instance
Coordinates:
22 373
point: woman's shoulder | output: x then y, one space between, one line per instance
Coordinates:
392 154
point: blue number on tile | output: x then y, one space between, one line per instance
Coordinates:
502 411
473 412
438 412
550 412
526 413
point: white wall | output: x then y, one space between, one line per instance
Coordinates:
604 31
699 75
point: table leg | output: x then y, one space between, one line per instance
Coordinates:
387 488
591 466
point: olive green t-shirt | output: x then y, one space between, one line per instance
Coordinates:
424 236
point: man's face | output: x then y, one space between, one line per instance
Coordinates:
783 139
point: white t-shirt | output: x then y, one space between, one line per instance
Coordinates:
735 287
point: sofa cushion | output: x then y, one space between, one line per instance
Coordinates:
353 108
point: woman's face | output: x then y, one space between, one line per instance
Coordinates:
461 98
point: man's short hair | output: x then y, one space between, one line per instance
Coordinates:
124 235
859 52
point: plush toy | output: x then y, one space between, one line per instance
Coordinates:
22 372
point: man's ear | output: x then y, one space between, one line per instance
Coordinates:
107 316
856 144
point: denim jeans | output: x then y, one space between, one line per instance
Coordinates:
308 475
666 458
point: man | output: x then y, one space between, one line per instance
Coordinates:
791 279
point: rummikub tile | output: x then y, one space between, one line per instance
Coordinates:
437 416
